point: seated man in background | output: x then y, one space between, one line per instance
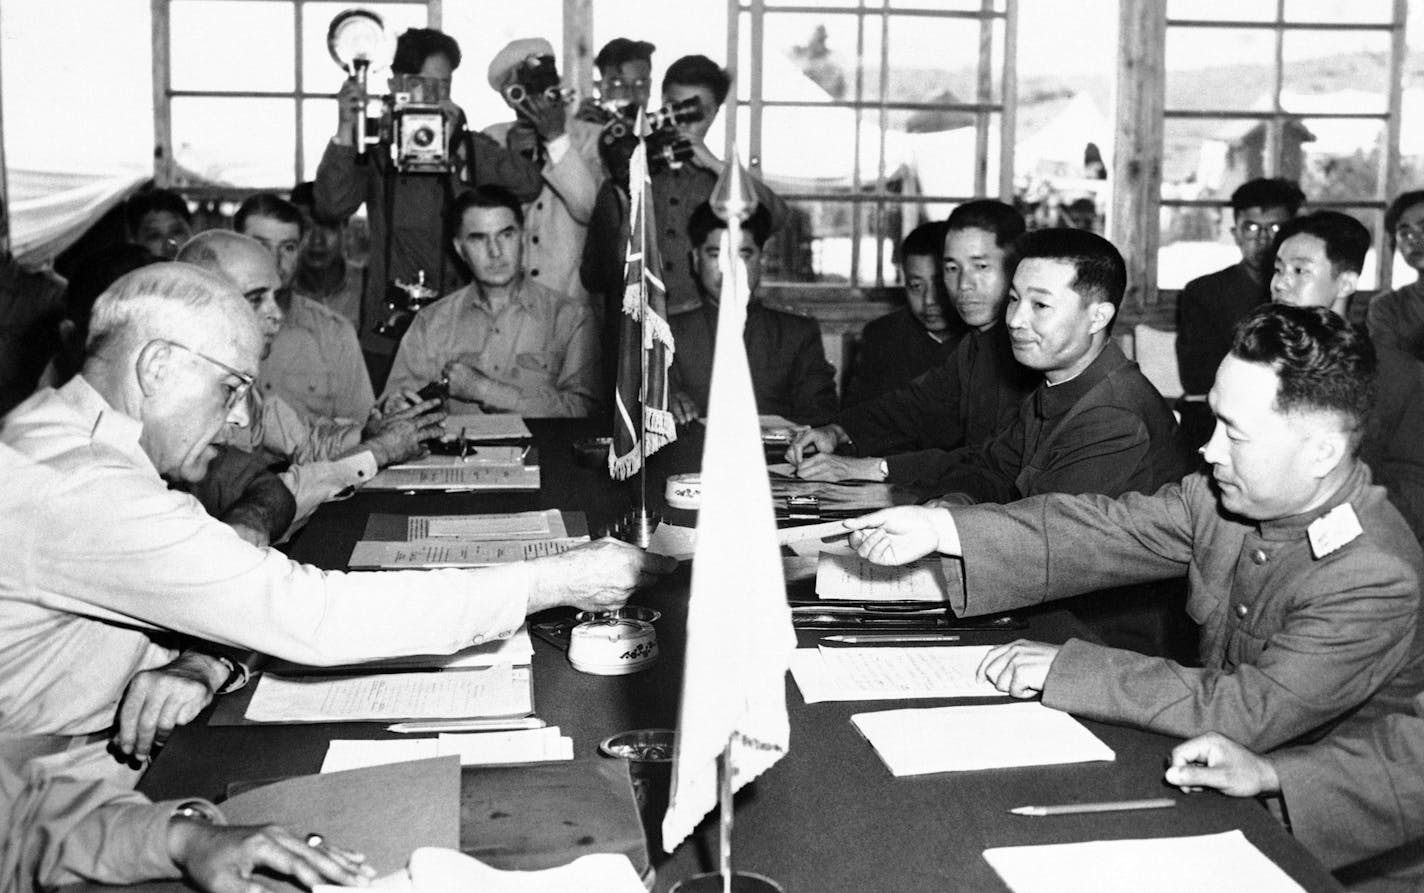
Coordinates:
326 456
905 435
105 562
1210 306
60 830
504 342
566 151
1094 423
1396 318
790 375
315 362
906 343
1304 578
1318 260
159 220
324 273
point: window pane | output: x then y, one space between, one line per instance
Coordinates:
1198 79
320 74
318 125
1194 241
1361 11
1342 163
232 45
248 143
848 4
950 5
937 60
1223 10
816 244
1210 157
1336 72
812 57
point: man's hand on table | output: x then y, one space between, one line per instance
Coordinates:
830 467
397 436
158 700
809 441
1019 668
597 577
228 858
903 534
1215 761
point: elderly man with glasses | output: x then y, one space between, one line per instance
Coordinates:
1210 306
108 571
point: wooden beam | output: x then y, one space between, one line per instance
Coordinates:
1137 150
578 46
163 167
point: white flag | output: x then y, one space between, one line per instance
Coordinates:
739 634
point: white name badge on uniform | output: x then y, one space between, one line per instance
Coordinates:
1333 529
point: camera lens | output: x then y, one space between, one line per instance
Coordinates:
423 136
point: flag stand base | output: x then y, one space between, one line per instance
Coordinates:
638 526
742 882
725 880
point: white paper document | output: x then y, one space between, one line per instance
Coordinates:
487 426
990 736
479 749
1225 861
475 455
674 541
464 476
507 526
842 576
435 870
385 555
456 694
880 673
516 650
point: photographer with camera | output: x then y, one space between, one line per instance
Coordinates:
503 343
406 196
548 133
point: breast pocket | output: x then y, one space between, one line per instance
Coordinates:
538 366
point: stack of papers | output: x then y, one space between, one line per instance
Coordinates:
517 649
454 473
486 426
841 576
423 541
455 694
880 673
1000 736
479 749
1225 861
440 871
367 555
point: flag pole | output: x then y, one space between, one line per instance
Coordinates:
641 524
724 795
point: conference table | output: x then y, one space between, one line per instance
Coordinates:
829 816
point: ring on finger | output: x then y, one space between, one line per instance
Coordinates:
315 840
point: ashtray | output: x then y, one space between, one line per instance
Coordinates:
592 451
610 646
641 745
627 612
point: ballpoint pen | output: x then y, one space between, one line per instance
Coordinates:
887 640
1107 806
468 725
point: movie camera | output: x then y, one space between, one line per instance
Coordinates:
667 147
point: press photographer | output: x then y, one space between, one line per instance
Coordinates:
408 176
548 132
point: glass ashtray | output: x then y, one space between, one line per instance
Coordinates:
627 612
641 745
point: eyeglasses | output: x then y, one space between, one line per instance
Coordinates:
1406 233
625 84
1253 230
235 393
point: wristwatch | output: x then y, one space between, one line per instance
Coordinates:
884 470
198 811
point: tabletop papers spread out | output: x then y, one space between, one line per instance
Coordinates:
478 749
425 541
517 649
988 736
674 541
453 694
487 426
450 473
368 555
440 871
505 526
1225 861
844 576
883 672
846 497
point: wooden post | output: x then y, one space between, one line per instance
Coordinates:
164 170
1137 151
578 54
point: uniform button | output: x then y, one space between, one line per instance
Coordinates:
672 200
534 239
1258 556
1242 610
539 206
533 272
672 231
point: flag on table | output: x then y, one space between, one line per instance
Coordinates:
739 635
645 341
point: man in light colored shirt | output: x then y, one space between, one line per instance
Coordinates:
566 149
315 363
105 564
504 342
327 455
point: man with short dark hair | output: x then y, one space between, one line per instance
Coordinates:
905 435
790 375
625 71
905 343
1318 261
315 362
159 220
1303 577
324 273
1210 306
505 343
405 210
1396 318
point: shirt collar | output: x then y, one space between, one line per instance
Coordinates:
106 424
1294 526
523 296
1050 403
